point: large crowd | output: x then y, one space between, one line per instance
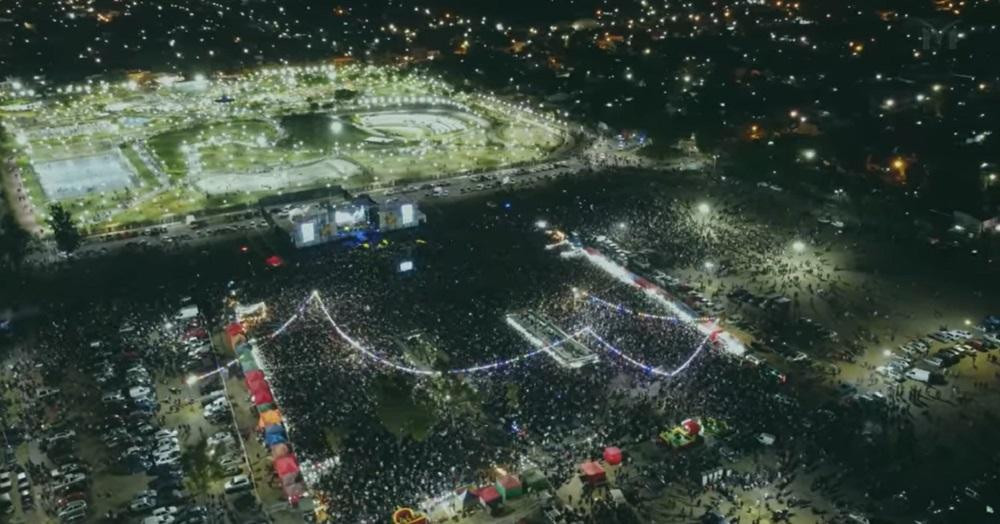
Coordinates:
340 402
400 439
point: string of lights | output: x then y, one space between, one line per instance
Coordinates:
646 367
619 307
316 299
426 372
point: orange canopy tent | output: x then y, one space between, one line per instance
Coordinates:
269 418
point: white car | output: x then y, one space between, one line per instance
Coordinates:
766 439
237 484
222 437
77 506
142 504
140 392
73 478
163 511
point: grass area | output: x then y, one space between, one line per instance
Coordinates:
167 148
145 174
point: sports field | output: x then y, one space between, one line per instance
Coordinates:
149 147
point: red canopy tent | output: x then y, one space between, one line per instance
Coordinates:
258 386
253 376
692 426
489 496
255 380
274 261
593 473
286 465
262 396
235 329
234 334
613 455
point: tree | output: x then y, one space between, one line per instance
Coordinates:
64 229
14 241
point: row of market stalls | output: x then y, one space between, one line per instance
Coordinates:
491 497
505 488
270 422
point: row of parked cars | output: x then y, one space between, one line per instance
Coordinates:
132 433
914 360
67 480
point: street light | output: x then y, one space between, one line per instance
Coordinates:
704 208
809 154
709 265
798 246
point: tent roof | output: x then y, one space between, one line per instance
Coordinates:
591 469
510 481
269 418
274 261
276 428
286 465
489 494
262 396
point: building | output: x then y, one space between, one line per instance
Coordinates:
327 215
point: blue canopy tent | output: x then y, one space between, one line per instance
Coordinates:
275 435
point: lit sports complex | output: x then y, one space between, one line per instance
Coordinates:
152 148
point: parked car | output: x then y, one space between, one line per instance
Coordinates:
237 484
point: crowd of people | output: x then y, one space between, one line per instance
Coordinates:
401 438
341 402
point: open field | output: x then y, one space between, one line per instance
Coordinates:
154 147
